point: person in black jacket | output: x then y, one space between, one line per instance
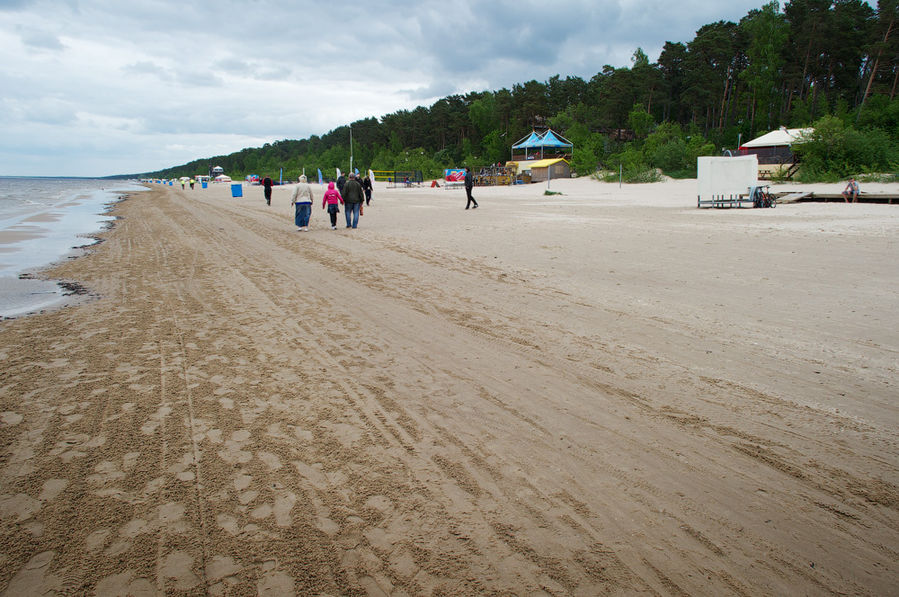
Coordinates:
367 187
353 198
267 184
469 184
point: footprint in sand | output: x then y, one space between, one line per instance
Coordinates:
275 583
11 418
169 517
155 420
122 585
176 568
233 453
183 467
221 572
35 578
22 506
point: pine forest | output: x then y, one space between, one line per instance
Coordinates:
831 65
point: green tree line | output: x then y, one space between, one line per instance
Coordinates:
833 65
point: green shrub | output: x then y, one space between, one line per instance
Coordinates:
834 151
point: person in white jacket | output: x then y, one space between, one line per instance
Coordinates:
301 199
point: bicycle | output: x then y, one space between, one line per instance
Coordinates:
761 197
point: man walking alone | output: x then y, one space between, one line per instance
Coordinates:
267 187
469 184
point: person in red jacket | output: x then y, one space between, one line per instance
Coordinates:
330 199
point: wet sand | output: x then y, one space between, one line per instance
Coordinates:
604 392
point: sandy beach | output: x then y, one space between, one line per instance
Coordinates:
607 391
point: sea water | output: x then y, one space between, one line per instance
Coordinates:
43 220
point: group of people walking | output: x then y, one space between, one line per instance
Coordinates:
351 193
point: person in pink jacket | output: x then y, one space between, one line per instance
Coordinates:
330 199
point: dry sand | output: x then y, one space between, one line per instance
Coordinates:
605 392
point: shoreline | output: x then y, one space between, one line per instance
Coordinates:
33 290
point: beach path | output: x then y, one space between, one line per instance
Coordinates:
250 409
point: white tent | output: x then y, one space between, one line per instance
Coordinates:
779 138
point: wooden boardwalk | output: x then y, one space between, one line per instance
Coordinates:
798 197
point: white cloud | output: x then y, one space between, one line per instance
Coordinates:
99 87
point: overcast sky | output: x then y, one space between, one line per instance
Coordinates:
94 88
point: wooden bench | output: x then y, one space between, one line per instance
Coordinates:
724 201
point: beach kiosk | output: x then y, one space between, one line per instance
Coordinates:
541 170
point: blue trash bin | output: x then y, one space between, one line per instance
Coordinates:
205 184
237 190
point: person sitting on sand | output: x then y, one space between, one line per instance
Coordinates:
330 198
851 189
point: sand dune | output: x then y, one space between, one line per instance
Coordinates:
603 392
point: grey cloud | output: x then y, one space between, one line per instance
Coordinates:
189 76
527 40
233 66
145 67
217 116
438 88
41 40
260 71
36 111
14 4
50 111
199 78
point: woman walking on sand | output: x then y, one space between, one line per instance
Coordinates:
330 199
302 201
